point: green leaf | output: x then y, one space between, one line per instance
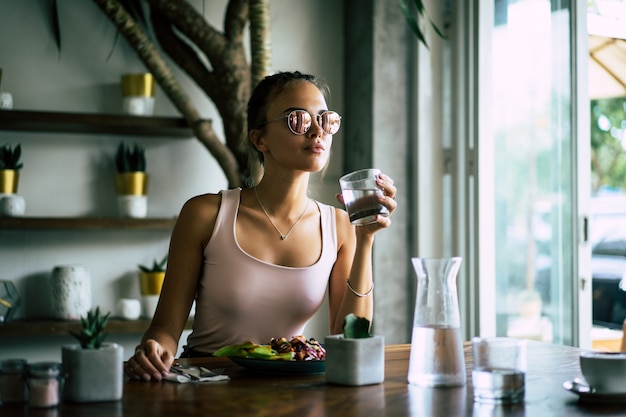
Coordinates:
356 327
92 335
10 158
130 158
157 266
412 20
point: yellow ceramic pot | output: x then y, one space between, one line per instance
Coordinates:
150 283
138 85
9 179
132 183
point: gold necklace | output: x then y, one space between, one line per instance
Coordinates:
282 237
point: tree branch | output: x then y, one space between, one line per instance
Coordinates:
151 57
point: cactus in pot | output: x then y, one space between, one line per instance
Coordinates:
355 357
151 277
94 369
131 180
10 164
92 335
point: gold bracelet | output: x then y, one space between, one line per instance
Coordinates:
358 294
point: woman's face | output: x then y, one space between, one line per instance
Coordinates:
308 152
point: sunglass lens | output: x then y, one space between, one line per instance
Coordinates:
331 121
299 121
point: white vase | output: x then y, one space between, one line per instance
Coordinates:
70 287
355 361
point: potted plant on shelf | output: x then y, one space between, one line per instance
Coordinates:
150 283
93 369
355 357
11 204
131 180
10 166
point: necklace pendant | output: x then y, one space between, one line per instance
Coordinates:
283 237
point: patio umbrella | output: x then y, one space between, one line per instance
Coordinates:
607 67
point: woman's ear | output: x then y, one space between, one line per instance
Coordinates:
256 137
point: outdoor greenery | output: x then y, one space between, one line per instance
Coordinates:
608 144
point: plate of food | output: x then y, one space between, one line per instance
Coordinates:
297 356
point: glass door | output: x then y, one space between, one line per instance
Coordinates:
535 286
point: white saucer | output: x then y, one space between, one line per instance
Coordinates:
586 393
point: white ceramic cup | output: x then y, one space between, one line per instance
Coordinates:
605 372
12 205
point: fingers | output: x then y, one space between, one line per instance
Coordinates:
134 370
389 192
150 361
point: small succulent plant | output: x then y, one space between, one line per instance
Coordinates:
92 335
130 158
10 158
157 266
356 327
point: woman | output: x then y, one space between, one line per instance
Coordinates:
258 261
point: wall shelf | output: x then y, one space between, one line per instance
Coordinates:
49 327
85 223
98 123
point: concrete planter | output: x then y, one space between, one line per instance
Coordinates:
355 361
93 375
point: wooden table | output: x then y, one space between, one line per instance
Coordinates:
249 394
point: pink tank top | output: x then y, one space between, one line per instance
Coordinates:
242 298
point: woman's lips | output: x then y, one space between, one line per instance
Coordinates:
317 148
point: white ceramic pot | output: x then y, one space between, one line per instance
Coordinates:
133 206
6 100
139 105
12 205
129 309
93 375
70 287
149 305
355 361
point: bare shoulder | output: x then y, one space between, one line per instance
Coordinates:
202 206
197 217
345 230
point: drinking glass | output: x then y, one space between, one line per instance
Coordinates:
360 195
499 369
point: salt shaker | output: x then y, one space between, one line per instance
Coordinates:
12 381
45 381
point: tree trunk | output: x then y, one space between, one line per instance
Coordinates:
216 62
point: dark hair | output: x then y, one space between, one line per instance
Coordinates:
268 88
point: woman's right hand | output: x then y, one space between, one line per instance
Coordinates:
151 361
